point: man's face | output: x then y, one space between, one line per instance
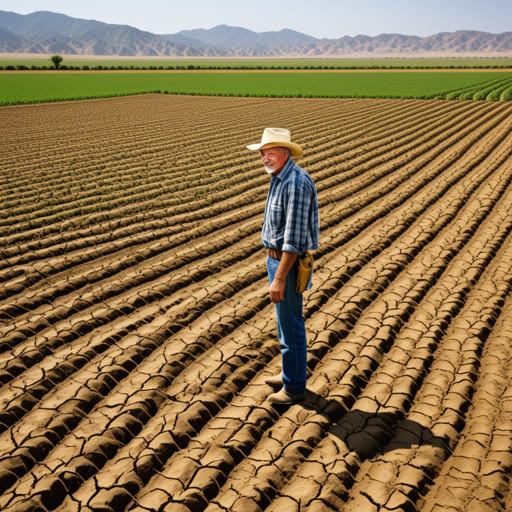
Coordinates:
274 159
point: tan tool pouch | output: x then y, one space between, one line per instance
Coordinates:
305 266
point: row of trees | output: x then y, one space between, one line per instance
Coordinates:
57 64
55 59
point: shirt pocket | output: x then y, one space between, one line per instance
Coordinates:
276 216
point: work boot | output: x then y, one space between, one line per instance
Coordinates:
276 381
284 397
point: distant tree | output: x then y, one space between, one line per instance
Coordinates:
56 59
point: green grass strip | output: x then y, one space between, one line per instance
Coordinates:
19 88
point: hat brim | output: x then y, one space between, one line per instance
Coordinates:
296 150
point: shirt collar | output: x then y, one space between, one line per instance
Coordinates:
285 170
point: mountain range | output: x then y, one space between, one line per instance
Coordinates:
46 32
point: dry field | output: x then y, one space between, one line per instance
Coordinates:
136 330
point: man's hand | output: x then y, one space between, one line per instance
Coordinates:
279 283
277 290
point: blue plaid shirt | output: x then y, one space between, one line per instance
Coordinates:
291 221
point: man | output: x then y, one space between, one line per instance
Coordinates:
290 228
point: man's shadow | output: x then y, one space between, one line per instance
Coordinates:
370 434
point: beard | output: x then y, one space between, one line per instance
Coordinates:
270 170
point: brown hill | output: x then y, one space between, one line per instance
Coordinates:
47 32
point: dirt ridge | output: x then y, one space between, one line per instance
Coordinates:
135 339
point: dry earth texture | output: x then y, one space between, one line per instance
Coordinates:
136 328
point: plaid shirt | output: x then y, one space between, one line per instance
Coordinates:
291 221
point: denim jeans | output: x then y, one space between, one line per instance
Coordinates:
291 332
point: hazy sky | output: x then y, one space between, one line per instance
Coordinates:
318 18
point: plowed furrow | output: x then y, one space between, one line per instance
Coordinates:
125 199
431 430
50 365
107 272
133 278
394 140
351 363
392 387
34 350
202 134
193 469
156 143
92 382
153 242
398 179
361 138
153 134
54 266
477 475
388 234
121 139
136 329
400 215
183 407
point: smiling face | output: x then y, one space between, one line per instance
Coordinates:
273 159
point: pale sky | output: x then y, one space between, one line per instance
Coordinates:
318 18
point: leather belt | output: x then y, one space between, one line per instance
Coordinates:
275 254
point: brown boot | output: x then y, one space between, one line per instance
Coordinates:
284 397
276 381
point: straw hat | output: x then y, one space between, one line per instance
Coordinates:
277 137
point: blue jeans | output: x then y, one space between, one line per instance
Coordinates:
291 332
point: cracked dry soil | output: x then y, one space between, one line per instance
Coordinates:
136 329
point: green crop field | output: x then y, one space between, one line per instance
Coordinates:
212 63
19 88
